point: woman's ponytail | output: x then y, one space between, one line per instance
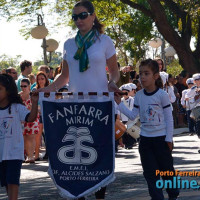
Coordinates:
98 26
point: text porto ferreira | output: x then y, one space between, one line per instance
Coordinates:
177 179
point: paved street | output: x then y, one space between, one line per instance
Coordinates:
129 184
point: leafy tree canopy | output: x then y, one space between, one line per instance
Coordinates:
131 23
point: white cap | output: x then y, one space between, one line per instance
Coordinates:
196 77
126 87
190 81
132 85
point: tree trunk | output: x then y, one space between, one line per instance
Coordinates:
186 57
188 61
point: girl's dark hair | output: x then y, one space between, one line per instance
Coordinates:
153 65
133 74
43 74
89 6
160 59
26 80
8 82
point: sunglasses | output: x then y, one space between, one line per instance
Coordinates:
23 86
82 15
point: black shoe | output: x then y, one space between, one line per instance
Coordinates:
173 198
191 134
129 147
46 157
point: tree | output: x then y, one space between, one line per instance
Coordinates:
179 31
118 18
7 61
56 59
174 68
130 30
177 20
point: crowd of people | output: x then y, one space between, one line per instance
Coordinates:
152 94
181 91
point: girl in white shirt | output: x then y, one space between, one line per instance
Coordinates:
12 112
153 106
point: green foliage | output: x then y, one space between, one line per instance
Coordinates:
174 68
55 61
7 61
130 27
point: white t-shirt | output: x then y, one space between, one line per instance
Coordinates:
129 104
191 92
183 102
170 91
11 137
94 79
155 113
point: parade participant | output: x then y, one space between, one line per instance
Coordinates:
160 64
138 84
26 69
12 112
51 73
32 78
186 104
46 70
30 128
192 92
128 101
41 82
168 88
12 72
133 91
156 136
85 58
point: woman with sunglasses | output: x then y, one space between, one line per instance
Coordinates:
85 58
30 128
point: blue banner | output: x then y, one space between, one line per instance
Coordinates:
80 144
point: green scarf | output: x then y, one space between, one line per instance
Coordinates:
83 44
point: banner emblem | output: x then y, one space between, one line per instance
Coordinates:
77 136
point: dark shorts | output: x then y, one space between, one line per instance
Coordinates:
10 171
